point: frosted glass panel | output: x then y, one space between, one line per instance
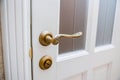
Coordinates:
105 22
73 18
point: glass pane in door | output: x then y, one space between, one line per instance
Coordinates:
105 22
73 18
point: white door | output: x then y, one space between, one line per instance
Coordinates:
93 56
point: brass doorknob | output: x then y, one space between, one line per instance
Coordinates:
46 38
45 62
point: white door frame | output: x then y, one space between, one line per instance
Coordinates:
15 16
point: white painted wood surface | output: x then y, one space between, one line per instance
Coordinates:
93 63
16 39
1 54
101 63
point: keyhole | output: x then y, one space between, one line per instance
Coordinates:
45 62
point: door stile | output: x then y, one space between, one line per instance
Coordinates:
115 38
92 25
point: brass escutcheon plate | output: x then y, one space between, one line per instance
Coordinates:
42 38
45 62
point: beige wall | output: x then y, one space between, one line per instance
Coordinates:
1 57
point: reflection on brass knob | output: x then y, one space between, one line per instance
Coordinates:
46 38
45 62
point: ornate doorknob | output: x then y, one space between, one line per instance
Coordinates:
46 38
